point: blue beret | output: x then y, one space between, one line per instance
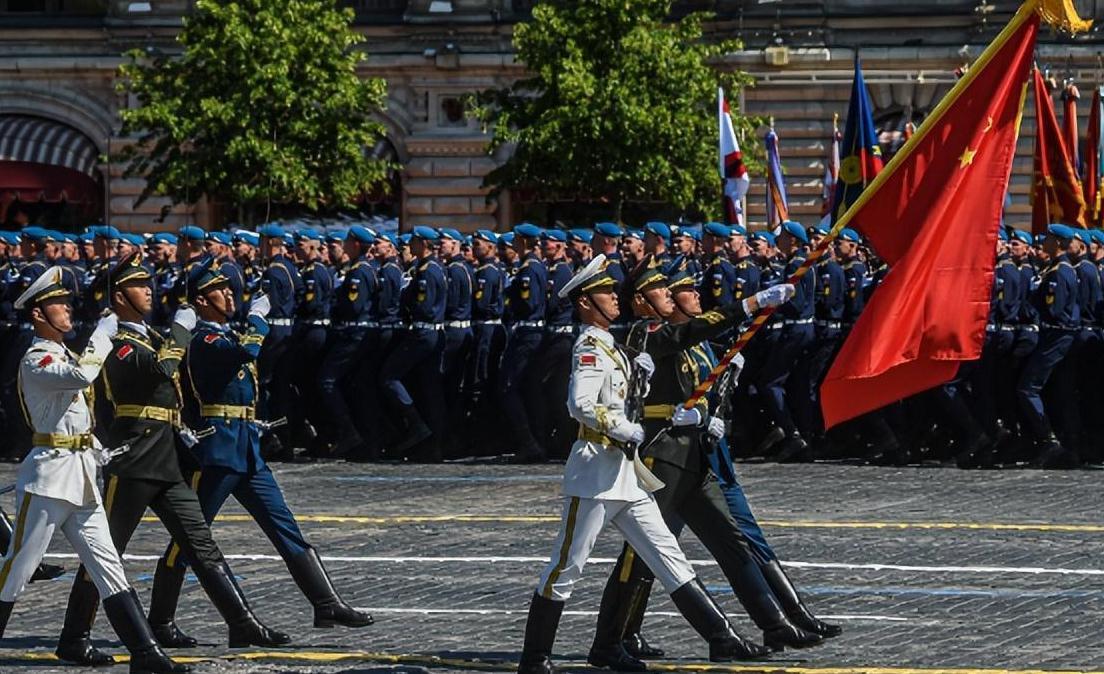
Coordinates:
9 238
738 229
68 238
485 235
425 233
192 233
554 235
1063 232
220 237
34 233
762 235
1097 235
404 239
361 234
795 230
1002 234
607 229
817 230
107 232
451 234
1082 235
389 238
307 234
246 237
336 235
581 235
660 229
271 231
87 237
468 240
633 234
1039 239
528 230
848 234
163 237
134 239
694 233
289 239
1022 236
717 229
506 239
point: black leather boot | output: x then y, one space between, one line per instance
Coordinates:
607 650
167 581
1052 455
707 619
795 609
5 615
124 612
540 634
245 630
634 641
764 609
75 642
415 432
329 609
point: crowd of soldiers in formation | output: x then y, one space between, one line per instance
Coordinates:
434 345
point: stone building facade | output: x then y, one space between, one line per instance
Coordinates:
58 105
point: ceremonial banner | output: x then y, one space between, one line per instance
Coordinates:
862 155
778 208
831 170
734 176
1070 96
1091 179
933 215
1055 191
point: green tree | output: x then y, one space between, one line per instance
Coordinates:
262 106
619 106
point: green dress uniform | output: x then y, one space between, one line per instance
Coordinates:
143 382
691 497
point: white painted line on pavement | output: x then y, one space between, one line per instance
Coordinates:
1011 570
661 614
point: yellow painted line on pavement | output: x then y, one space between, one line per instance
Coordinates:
320 657
782 524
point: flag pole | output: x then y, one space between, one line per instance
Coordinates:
1026 10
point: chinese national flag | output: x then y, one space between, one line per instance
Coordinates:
933 214
1056 194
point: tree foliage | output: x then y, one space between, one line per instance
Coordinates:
263 105
619 105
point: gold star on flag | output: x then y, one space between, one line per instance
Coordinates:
967 158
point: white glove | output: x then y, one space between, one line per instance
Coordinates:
185 317
716 428
627 431
686 417
108 326
260 305
645 362
775 295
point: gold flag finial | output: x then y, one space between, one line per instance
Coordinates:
1062 15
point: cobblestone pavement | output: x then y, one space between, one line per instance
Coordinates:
927 569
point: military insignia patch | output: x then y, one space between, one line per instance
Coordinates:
46 360
124 351
211 339
588 359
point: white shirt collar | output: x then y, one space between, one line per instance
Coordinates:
140 328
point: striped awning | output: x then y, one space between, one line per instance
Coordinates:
43 141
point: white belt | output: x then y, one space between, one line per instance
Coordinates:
357 324
801 321
421 325
994 327
831 325
561 329
529 324
490 321
281 321
317 321
457 324
1063 328
1030 327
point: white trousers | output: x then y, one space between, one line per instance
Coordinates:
638 521
84 527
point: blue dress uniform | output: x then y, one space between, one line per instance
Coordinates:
830 284
528 303
458 338
991 387
552 419
489 341
419 353
1055 300
795 336
312 320
352 348
284 287
223 375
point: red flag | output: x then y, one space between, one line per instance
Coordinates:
1056 192
1094 152
831 169
933 214
1070 96
734 176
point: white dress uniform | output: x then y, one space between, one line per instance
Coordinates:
56 486
601 485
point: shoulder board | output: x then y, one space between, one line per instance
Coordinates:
712 317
